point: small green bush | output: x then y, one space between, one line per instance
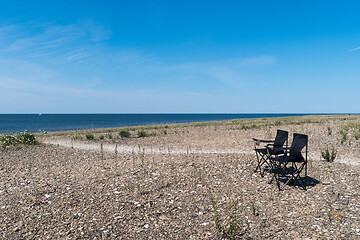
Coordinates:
141 133
23 138
101 137
329 131
78 137
89 136
344 136
357 135
124 133
327 155
245 127
27 138
8 140
277 123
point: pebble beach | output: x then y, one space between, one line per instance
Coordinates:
180 181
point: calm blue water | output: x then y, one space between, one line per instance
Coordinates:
14 123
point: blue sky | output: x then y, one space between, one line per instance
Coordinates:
179 56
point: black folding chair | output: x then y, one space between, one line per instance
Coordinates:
272 148
291 167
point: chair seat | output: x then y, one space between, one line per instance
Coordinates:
288 159
275 151
261 150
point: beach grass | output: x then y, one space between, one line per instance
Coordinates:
236 123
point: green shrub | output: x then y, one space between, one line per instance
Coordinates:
344 136
89 136
101 137
27 138
124 133
329 131
8 140
245 127
77 137
327 155
23 138
357 134
141 133
351 127
277 123
356 131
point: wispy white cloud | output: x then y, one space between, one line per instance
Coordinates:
96 31
64 66
229 71
50 37
26 70
54 99
73 42
354 49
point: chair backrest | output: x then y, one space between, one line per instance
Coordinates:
281 138
299 142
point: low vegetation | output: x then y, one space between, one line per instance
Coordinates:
329 155
329 131
237 123
124 133
15 139
89 136
344 135
349 130
141 133
229 225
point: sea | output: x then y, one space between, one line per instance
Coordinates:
16 123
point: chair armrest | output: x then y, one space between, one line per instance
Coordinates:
263 141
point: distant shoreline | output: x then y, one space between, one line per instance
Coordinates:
15 123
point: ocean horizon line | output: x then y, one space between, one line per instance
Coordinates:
37 122
302 113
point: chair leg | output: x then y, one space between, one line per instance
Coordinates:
305 175
261 160
258 161
283 171
275 169
295 175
